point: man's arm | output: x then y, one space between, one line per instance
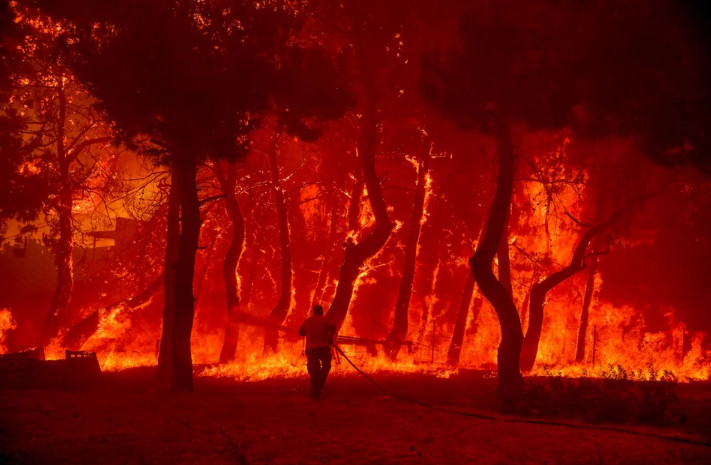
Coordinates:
302 330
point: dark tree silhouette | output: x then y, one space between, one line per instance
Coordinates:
543 79
194 76
227 176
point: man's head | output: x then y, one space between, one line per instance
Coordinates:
318 310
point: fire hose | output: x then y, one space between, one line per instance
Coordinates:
509 419
513 419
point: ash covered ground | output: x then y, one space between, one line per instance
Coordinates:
127 421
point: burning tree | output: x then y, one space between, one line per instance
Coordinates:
58 159
222 63
537 77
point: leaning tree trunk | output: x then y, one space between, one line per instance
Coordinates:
165 357
228 180
540 290
184 303
510 379
399 332
281 309
460 324
63 247
357 254
584 315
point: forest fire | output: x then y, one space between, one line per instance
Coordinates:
486 211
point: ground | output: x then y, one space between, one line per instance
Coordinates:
127 421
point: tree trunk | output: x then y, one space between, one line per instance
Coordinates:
400 324
527 303
184 303
510 380
455 345
165 357
540 290
228 180
502 254
281 309
323 275
583 329
357 254
354 205
63 247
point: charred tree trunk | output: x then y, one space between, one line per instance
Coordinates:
402 306
357 254
65 243
228 180
165 357
323 275
354 205
252 234
502 254
455 345
527 302
510 379
584 315
281 309
184 303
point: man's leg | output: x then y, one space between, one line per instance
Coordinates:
325 357
313 366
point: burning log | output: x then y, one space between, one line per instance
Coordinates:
84 329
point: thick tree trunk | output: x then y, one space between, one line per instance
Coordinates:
65 243
281 309
228 180
584 315
184 303
400 324
510 380
165 356
455 345
357 254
